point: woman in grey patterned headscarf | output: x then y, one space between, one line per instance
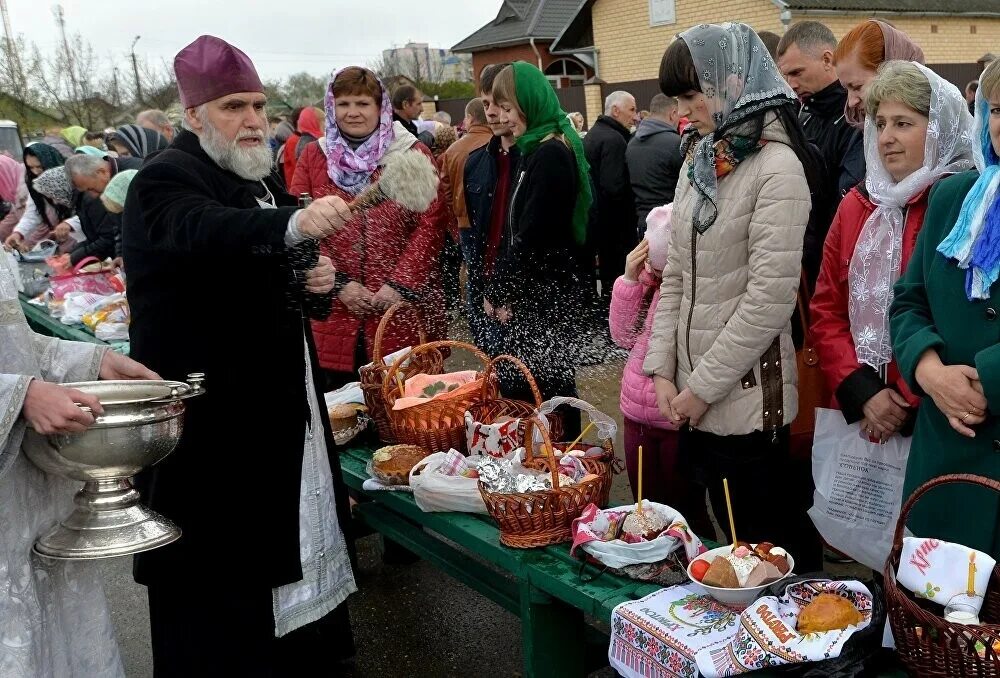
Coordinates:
721 353
136 142
54 185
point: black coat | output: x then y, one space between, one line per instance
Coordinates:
613 227
654 163
213 288
536 268
843 150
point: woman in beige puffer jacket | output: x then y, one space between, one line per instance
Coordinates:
721 352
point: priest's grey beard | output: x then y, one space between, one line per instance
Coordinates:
252 163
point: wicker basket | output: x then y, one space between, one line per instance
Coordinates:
532 519
373 376
488 410
439 424
927 644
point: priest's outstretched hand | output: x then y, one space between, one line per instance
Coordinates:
323 217
115 366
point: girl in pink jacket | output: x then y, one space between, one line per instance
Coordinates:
666 478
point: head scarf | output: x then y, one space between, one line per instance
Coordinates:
351 168
91 150
974 240
139 140
875 264
11 175
54 185
49 157
896 46
741 82
544 116
73 135
309 120
658 235
117 188
283 131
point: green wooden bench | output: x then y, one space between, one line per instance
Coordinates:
544 587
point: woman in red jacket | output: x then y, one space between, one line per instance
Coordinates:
385 253
917 130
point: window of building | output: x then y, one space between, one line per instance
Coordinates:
662 12
972 29
565 73
933 28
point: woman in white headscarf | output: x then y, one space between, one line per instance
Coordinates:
917 131
721 353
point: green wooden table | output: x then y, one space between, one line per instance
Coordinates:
543 587
41 321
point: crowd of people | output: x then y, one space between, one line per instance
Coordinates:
778 189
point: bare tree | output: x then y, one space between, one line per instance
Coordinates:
157 84
67 80
14 80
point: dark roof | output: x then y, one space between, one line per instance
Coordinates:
518 21
966 7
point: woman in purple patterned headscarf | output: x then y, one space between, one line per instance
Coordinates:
386 253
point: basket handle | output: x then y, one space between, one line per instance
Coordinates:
389 385
404 306
904 514
532 384
529 439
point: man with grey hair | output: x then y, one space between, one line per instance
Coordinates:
208 217
612 228
654 157
443 117
805 58
157 121
89 175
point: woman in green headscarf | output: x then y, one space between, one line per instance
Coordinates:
74 135
533 294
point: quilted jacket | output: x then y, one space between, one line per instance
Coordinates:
638 397
722 323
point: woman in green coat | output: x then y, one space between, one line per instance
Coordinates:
946 338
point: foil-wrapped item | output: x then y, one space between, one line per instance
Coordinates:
498 475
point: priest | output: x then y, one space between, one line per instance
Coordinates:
223 277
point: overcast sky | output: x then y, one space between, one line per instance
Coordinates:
281 36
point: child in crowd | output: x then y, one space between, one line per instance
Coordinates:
633 305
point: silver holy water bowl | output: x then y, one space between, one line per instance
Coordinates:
142 424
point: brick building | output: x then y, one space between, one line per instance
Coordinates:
628 37
524 30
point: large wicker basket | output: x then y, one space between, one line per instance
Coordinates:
439 424
488 410
373 375
927 644
532 519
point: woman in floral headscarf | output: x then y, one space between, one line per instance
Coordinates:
721 353
917 131
385 253
945 338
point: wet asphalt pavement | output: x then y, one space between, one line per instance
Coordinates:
409 620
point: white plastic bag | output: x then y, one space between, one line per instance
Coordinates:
76 304
859 488
434 491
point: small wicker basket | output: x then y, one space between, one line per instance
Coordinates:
439 424
488 410
532 519
927 644
373 375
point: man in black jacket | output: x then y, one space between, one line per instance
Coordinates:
223 276
805 57
654 158
90 176
488 179
612 228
